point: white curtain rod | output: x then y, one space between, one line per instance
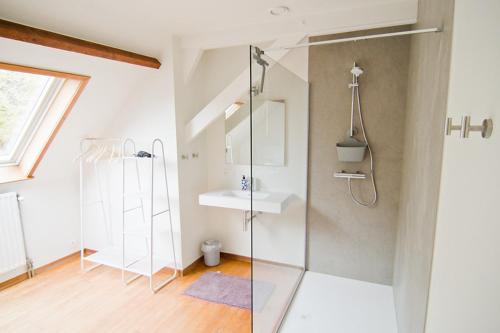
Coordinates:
355 39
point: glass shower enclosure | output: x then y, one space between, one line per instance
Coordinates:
279 98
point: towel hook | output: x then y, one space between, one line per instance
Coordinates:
486 128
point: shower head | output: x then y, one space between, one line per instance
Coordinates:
258 58
356 70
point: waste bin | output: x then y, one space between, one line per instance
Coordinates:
211 252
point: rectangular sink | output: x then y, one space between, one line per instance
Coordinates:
246 194
266 202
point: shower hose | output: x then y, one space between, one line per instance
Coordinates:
355 95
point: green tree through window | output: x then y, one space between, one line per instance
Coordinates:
20 94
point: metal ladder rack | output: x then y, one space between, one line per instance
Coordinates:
147 265
96 150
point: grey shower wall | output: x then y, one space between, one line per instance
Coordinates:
429 73
345 239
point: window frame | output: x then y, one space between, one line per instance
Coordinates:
33 122
30 148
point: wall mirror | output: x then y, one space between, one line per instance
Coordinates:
268 133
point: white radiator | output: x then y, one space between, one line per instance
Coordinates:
12 250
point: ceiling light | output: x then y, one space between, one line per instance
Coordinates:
279 11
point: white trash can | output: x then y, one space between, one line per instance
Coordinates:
211 252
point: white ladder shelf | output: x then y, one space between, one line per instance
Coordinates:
118 257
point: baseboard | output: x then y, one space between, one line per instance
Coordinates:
13 273
276 263
182 272
191 266
13 281
24 276
249 259
238 257
87 252
235 257
57 263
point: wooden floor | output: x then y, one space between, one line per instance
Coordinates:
64 299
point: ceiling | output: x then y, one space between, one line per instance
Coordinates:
142 26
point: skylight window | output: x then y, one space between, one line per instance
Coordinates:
33 106
24 101
233 108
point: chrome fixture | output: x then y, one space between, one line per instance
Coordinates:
258 58
349 176
486 128
356 72
353 150
247 218
355 39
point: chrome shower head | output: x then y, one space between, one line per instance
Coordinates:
356 71
258 58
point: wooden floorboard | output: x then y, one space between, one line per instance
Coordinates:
64 299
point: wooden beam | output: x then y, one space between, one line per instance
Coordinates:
32 35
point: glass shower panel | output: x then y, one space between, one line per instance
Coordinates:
279 141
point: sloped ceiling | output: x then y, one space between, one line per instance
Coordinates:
141 26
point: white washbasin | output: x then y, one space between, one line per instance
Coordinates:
266 202
246 194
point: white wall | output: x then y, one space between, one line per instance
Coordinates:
465 282
149 113
191 177
161 107
279 238
215 70
123 100
51 206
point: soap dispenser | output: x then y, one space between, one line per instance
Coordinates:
244 183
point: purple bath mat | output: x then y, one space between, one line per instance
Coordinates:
230 290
